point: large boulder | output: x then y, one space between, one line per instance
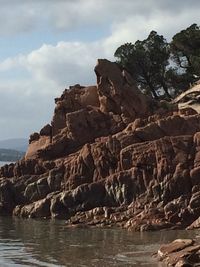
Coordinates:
85 113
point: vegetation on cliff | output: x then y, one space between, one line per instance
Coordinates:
165 67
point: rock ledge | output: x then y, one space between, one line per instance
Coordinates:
180 253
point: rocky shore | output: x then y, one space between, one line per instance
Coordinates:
180 253
111 156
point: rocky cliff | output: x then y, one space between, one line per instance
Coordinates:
111 156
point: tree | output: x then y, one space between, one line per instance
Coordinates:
185 49
161 67
147 61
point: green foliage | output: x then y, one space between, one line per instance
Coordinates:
146 61
158 66
185 49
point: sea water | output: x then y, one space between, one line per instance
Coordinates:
35 243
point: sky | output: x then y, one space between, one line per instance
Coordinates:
48 45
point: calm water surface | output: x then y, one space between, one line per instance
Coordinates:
49 243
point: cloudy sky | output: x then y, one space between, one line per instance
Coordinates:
47 45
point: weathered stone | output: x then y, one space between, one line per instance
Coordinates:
37 190
111 148
46 130
58 209
183 263
195 224
38 209
7 197
176 245
179 253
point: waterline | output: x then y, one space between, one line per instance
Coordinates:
49 243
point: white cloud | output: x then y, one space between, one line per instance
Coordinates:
61 63
23 16
51 69
138 26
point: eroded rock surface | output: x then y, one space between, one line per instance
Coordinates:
111 156
180 253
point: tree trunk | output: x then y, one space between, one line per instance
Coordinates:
151 87
165 89
153 92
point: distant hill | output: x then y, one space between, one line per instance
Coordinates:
10 155
19 144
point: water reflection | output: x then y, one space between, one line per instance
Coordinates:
50 243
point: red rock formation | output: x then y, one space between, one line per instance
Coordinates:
180 253
111 156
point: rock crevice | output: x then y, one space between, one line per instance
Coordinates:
111 156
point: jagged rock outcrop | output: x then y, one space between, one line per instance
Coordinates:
190 98
180 253
85 113
111 156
